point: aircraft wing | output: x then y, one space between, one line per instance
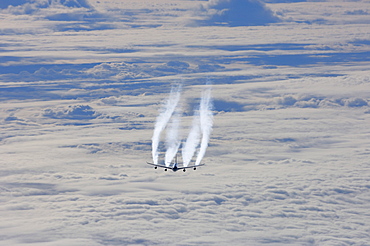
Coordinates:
194 166
158 165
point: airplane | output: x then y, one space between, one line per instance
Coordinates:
174 167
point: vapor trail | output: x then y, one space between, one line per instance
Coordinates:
192 140
172 138
206 122
164 117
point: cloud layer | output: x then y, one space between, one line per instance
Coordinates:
287 161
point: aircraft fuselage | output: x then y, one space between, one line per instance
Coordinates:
175 168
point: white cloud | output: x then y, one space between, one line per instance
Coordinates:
72 112
236 13
55 10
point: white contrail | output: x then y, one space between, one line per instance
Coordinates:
192 141
172 138
206 122
199 133
163 119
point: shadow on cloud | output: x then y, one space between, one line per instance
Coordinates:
235 13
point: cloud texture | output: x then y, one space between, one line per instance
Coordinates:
46 3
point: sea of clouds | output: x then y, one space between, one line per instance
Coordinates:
83 83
